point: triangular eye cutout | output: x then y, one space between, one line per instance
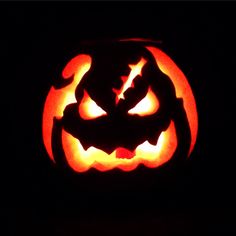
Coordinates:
88 109
147 106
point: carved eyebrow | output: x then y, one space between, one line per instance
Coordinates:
136 69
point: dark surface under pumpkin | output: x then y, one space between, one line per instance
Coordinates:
195 197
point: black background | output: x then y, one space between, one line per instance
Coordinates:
36 39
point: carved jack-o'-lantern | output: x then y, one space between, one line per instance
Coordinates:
120 104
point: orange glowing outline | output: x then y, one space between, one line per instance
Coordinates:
88 109
182 87
58 99
147 106
147 154
128 82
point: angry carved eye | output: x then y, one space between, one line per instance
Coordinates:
147 106
88 109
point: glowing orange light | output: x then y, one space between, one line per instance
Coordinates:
128 82
58 99
89 109
124 153
182 87
149 155
147 106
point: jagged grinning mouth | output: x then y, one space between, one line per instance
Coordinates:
150 155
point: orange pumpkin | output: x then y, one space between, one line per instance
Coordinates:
126 103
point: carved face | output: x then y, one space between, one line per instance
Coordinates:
125 104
